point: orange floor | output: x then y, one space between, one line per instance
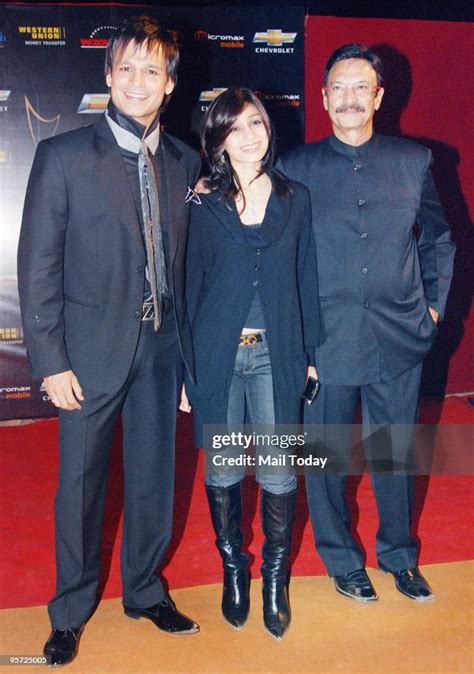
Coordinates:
329 633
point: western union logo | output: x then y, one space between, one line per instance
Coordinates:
4 95
43 32
275 37
210 95
93 103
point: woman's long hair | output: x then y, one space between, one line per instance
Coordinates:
218 122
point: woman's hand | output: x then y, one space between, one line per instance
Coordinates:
184 405
312 372
200 187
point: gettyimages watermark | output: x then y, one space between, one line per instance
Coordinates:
410 449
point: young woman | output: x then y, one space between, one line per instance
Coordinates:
252 299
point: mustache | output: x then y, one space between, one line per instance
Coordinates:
354 107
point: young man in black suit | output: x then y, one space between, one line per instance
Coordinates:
101 281
382 291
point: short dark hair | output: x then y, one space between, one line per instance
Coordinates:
144 29
218 122
355 50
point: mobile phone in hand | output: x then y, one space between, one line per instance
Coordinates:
311 390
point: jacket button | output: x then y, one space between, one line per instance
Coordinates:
363 235
255 283
259 252
364 270
357 167
361 202
256 268
137 314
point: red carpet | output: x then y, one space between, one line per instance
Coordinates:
28 470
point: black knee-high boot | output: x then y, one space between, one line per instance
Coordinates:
226 513
278 511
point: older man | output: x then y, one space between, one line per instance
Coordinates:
385 261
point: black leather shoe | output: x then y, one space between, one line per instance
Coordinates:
411 583
356 585
62 646
166 617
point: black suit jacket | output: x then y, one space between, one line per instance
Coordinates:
377 273
81 258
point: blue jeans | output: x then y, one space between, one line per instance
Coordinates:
251 399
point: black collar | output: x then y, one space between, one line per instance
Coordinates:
353 150
130 124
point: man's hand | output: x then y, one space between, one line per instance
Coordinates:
312 372
64 390
184 405
434 315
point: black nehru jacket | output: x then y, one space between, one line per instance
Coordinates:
384 254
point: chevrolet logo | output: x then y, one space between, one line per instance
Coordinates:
4 95
275 37
212 94
93 103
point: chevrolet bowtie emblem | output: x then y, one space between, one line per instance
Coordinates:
275 37
91 103
211 94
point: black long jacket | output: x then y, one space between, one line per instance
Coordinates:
224 270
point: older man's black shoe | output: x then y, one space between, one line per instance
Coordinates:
62 646
356 585
165 616
411 583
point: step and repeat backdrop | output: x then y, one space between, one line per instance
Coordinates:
52 80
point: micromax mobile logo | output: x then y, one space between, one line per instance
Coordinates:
98 39
225 41
4 95
93 103
282 100
211 94
15 392
275 37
